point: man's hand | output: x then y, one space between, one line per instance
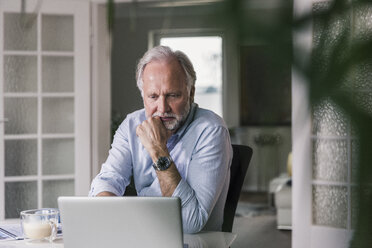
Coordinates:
154 137
105 193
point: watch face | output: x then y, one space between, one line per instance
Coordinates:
163 163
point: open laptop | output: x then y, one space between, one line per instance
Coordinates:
97 222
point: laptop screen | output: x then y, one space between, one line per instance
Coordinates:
98 222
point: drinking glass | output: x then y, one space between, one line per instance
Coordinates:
40 224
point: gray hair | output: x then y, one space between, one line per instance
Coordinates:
164 53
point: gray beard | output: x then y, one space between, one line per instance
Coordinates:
180 119
174 125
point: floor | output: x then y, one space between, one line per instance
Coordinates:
258 228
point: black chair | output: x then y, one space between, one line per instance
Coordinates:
241 157
130 190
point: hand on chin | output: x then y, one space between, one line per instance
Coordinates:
153 134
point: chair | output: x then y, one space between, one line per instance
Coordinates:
130 190
241 157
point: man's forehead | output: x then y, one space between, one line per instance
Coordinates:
159 90
164 71
174 87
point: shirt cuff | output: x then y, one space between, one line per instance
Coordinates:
184 192
100 187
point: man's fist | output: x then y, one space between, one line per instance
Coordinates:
154 136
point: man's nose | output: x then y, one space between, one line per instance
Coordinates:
163 106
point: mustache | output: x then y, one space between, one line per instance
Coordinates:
164 115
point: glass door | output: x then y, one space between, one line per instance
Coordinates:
325 140
45 104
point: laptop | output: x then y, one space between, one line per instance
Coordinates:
98 222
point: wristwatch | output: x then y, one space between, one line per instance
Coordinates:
163 163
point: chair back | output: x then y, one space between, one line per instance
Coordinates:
241 157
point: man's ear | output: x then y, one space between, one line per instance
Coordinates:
192 93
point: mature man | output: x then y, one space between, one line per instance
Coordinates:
171 147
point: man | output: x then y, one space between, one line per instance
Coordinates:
171 147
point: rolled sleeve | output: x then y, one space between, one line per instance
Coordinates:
107 182
116 171
184 192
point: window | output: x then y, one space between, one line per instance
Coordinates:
205 52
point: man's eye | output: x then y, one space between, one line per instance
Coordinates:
152 96
174 95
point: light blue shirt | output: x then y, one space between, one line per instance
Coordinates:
202 152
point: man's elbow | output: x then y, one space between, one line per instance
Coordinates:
192 230
105 193
194 226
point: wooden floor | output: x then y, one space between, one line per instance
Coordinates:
259 231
